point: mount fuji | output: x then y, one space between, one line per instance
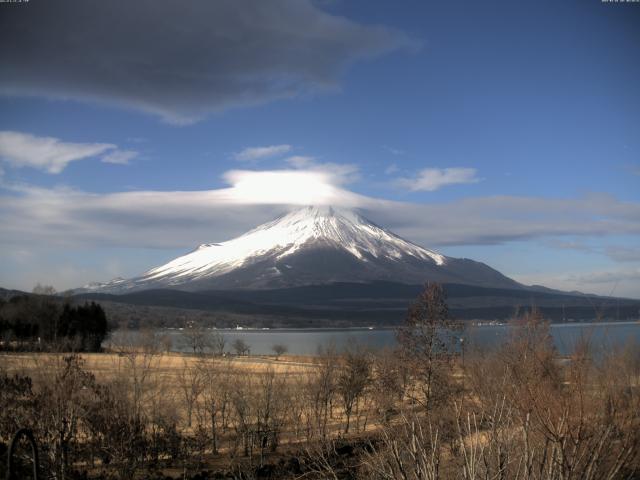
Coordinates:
309 246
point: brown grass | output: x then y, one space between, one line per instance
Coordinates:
105 365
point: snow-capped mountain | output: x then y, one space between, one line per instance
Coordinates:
312 245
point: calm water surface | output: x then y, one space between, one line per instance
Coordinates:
307 341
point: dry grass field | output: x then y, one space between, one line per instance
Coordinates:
107 365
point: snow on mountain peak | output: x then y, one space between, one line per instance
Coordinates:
308 226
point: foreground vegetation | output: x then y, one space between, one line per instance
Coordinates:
423 411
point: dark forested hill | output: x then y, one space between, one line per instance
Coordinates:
379 303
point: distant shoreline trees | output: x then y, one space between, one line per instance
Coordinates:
45 322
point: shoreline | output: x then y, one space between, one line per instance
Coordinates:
394 327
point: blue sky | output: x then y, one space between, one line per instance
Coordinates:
506 132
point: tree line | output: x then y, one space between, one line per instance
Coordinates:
43 321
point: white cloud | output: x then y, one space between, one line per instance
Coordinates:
45 153
288 187
185 218
431 179
52 155
252 154
119 157
163 219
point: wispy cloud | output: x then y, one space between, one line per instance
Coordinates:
162 219
572 245
623 254
431 179
119 157
254 154
45 153
184 218
391 169
607 277
300 161
339 173
618 253
620 282
393 151
52 155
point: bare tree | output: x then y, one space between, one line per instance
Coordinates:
240 346
217 342
298 409
117 429
166 342
162 409
141 354
353 377
321 390
194 336
191 384
44 290
68 384
243 412
279 349
216 388
427 344
390 377
410 450
270 410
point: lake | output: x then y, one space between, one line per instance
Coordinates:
307 341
